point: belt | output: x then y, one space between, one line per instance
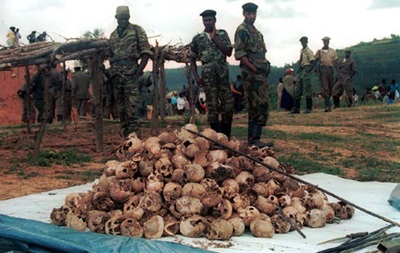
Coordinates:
125 63
256 55
324 66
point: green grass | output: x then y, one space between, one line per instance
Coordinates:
47 158
305 165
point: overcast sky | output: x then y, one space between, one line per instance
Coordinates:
282 22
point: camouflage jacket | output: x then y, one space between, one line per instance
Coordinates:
128 48
131 45
347 66
206 50
249 42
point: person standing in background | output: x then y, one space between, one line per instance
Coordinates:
128 45
346 70
303 84
211 47
250 50
326 59
80 90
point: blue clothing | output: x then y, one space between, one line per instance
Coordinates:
174 100
392 92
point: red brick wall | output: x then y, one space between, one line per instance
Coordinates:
10 103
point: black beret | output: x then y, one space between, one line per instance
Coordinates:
304 38
208 13
251 7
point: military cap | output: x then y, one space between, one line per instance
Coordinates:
326 38
33 31
250 7
304 38
208 13
12 28
122 11
347 49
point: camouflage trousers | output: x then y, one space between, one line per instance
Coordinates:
257 94
126 94
219 98
303 85
343 84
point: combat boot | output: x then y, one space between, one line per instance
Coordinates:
296 108
254 139
215 126
308 105
327 104
336 102
226 128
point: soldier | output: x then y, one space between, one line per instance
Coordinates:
128 44
31 37
41 37
346 68
67 102
211 47
55 102
80 90
28 106
303 85
326 58
38 81
250 49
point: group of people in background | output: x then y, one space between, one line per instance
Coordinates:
382 92
14 36
325 63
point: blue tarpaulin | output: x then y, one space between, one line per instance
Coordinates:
22 235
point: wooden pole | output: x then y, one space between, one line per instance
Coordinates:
156 73
162 90
28 100
190 86
97 82
64 80
47 79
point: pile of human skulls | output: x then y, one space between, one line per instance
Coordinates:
179 182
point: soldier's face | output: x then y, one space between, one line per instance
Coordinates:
326 43
249 17
123 22
209 23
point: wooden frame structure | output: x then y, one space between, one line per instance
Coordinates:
95 52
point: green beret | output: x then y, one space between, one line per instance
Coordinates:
304 39
122 11
347 49
250 7
326 38
208 13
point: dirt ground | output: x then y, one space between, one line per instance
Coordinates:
19 179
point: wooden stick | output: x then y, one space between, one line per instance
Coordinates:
297 179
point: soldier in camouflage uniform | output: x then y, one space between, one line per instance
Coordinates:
128 44
28 106
250 50
303 85
346 70
211 47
